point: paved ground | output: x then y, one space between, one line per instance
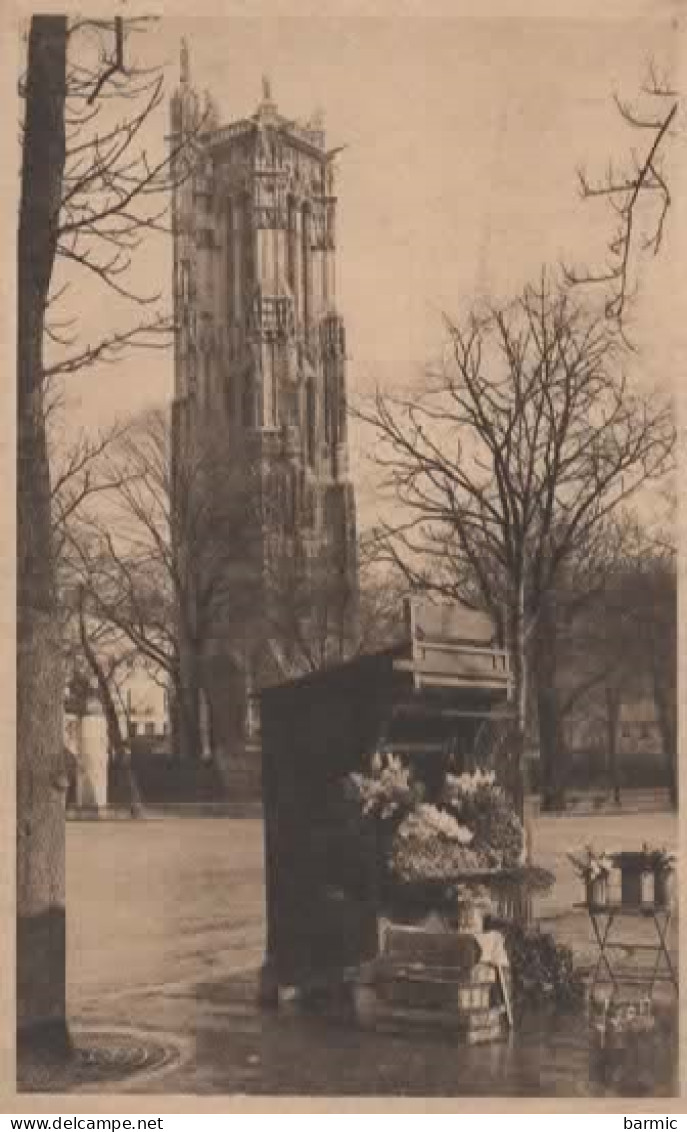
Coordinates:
166 931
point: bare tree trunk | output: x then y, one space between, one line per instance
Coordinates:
551 747
186 715
667 724
518 694
41 778
612 716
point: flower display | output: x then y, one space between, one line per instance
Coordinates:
660 860
468 785
478 801
388 791
591 865
429 821
468 828
431 845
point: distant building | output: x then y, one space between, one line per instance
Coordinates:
637 732
144 711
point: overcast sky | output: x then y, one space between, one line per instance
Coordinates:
463 138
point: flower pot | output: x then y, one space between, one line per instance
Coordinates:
469 918
664 888
636 881
647 890
597 892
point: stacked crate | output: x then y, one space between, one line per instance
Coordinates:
431 979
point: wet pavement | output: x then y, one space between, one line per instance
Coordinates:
165 937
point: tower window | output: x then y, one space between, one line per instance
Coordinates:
305 264
229 396
310 407
248 400
231 264
292 247
247 235
327 404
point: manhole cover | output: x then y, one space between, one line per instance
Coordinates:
98 1058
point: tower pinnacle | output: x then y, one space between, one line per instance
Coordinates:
185 70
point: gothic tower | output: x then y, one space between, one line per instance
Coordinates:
260 356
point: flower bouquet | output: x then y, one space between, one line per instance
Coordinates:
595 870
387 793
479 802
664 866
647 877
471 903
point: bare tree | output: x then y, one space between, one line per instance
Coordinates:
647 593
638 194
87 199
168 595
574 650
41 1005
509 458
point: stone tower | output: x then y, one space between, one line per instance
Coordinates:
260 359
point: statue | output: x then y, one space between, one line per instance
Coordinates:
266 89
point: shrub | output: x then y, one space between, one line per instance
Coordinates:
543 971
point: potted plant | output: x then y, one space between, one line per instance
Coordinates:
471 903
663 866
637 887
595 870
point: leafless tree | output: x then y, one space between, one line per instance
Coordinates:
88 196
170 595
637 193
511 457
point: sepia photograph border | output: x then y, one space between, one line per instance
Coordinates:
126 1099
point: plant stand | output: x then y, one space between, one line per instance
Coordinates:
603 919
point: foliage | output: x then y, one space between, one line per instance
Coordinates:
591 865
478 801
662 861
542 970
430 844
649 858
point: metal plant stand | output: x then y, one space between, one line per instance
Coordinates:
603 918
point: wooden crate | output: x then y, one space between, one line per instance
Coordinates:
470 1026
430 948
386 967
435 994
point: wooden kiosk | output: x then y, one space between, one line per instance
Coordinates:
439 696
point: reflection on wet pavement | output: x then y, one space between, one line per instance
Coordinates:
184 915
244 1050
